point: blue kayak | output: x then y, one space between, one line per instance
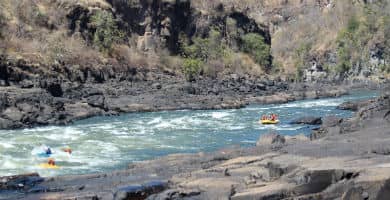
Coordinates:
43 155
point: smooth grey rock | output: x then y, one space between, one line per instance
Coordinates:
271 139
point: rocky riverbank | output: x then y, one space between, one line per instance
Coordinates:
30 97
345 159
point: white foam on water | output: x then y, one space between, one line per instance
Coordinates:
259 109
64 134
163 125
42 129
248 141
105 126
312 103
118 133
234 128
219 115
8 164
6 145
156 120
266 127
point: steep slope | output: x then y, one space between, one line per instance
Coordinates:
338 39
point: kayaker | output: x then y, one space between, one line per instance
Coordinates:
67 150
47 150
51 162
273 117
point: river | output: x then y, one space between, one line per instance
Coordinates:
102 144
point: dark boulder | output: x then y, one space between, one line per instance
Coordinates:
55 89
353 106
308 120
96 101
140 191
261 86
20 181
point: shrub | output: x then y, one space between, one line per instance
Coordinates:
107 32
350 45
301 55
199 49
344 59
254 45
205 48
191 68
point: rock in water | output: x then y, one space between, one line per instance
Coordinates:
308 120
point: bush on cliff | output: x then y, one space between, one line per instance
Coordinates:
346 43
106 31
301 56
191 68
254 45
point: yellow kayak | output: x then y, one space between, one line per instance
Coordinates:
47 166
269 121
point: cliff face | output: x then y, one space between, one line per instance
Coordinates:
300 39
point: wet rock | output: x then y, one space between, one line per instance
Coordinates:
140 191
310 120
20 181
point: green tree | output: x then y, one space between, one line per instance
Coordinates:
191 68
301 56
254 45
107 32
347 43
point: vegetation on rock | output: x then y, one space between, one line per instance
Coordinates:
254 45
106 30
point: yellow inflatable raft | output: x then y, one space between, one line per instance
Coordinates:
47 166
265 122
